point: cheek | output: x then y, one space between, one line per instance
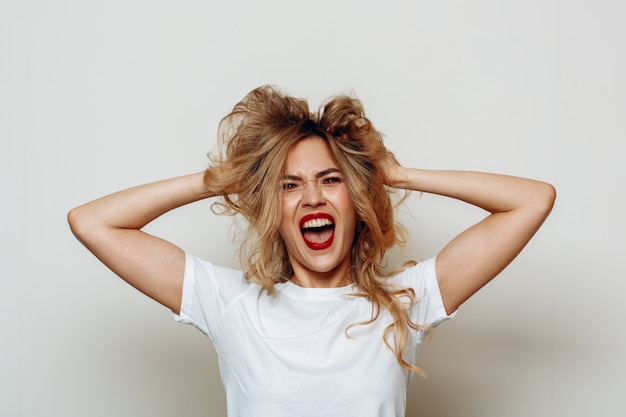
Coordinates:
345 205
344 199
287 214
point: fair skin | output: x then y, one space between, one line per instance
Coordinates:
517 207
315 194
110 227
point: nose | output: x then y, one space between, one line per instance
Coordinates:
313 196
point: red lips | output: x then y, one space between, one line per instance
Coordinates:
318 238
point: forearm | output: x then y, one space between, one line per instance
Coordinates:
135 207
492 192
518 207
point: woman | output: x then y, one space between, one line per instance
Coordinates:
315 326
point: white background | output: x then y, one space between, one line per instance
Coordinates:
96 96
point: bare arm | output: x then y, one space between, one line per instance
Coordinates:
110 228
518 207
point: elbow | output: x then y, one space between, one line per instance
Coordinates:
73 220
77 222
546 196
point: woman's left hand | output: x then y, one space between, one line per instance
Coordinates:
393 171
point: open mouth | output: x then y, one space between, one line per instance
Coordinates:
318 230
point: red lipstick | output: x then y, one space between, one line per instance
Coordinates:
318 238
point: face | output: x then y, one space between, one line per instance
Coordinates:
318 218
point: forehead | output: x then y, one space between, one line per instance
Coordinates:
310 155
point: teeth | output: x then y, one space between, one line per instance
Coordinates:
315 223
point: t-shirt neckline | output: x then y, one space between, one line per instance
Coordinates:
290 289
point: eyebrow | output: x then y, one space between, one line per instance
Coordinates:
317 176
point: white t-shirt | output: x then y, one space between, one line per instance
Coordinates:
288 354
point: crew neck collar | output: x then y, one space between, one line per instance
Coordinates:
291 289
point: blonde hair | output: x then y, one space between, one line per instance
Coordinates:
253 143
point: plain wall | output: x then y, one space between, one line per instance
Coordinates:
97 96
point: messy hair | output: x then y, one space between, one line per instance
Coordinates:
253 143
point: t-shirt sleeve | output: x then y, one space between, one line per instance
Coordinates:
429 308
207 290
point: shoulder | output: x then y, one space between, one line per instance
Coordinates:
418 277
208 290
206 276
422 279
196 267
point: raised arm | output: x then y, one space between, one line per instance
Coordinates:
518 207
110 228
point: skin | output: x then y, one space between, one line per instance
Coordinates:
313 185
517 207
110 227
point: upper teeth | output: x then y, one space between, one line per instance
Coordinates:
316 223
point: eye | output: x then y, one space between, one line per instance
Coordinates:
290 186
329 181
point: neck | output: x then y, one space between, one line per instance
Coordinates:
307 278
